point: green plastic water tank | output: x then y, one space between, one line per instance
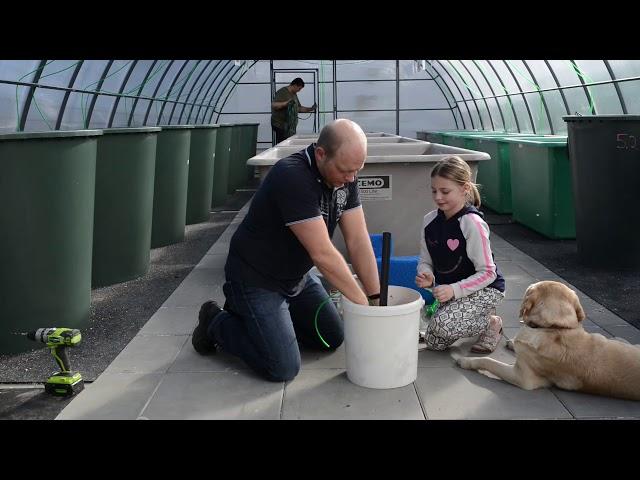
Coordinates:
125 171
170 185
235 156
605 168
201 172
248 145
221 168
47 188
541 186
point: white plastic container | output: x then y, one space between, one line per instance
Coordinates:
381 343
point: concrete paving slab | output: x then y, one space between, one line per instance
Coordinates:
172 321
454 393
583 405
328 394
148 354
188 360
190 295
215 396
113 396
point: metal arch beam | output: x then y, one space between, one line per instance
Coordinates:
555 79
135 102
470 93
155 92
493 127
452 107
513 109
461 96
544 103
586 90
236 84
615 84
173 83
117 101
232 71
216 96
444 82
184 84
334 73
222 66
229 74
63 105
504 124
526 103
215 82
195 82
96 95
195 100
32 91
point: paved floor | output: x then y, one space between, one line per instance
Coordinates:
159 375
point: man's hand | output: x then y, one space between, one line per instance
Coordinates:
424 280
442 293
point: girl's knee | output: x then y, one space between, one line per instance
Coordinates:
437 328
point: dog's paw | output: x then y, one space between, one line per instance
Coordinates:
465 362
510 345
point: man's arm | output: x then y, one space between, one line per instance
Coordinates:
356 236
282 99
307 109
280 105
315 239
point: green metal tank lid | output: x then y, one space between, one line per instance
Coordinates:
50 134
591 118
175 127
108 131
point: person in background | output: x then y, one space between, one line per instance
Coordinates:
285 108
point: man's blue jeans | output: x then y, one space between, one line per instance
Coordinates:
262 327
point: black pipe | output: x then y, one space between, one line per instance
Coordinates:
384 274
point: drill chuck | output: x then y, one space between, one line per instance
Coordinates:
53 336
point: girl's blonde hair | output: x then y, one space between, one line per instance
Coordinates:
457 170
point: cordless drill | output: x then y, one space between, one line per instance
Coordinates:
63 383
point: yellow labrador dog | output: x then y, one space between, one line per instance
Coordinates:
552 348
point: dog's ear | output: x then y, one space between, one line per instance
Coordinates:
527 301
579 311
526 306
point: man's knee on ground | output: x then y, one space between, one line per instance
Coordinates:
284 371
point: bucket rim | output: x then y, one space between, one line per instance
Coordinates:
386 311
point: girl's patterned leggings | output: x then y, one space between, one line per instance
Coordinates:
462 317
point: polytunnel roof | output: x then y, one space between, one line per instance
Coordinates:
399 96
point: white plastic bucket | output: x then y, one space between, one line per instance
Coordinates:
381 343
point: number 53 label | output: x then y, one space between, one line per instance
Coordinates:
626 142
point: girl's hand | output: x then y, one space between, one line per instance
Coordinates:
424 280
443 293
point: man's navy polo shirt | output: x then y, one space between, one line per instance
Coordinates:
264 252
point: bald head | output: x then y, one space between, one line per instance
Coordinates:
342 133
341 150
